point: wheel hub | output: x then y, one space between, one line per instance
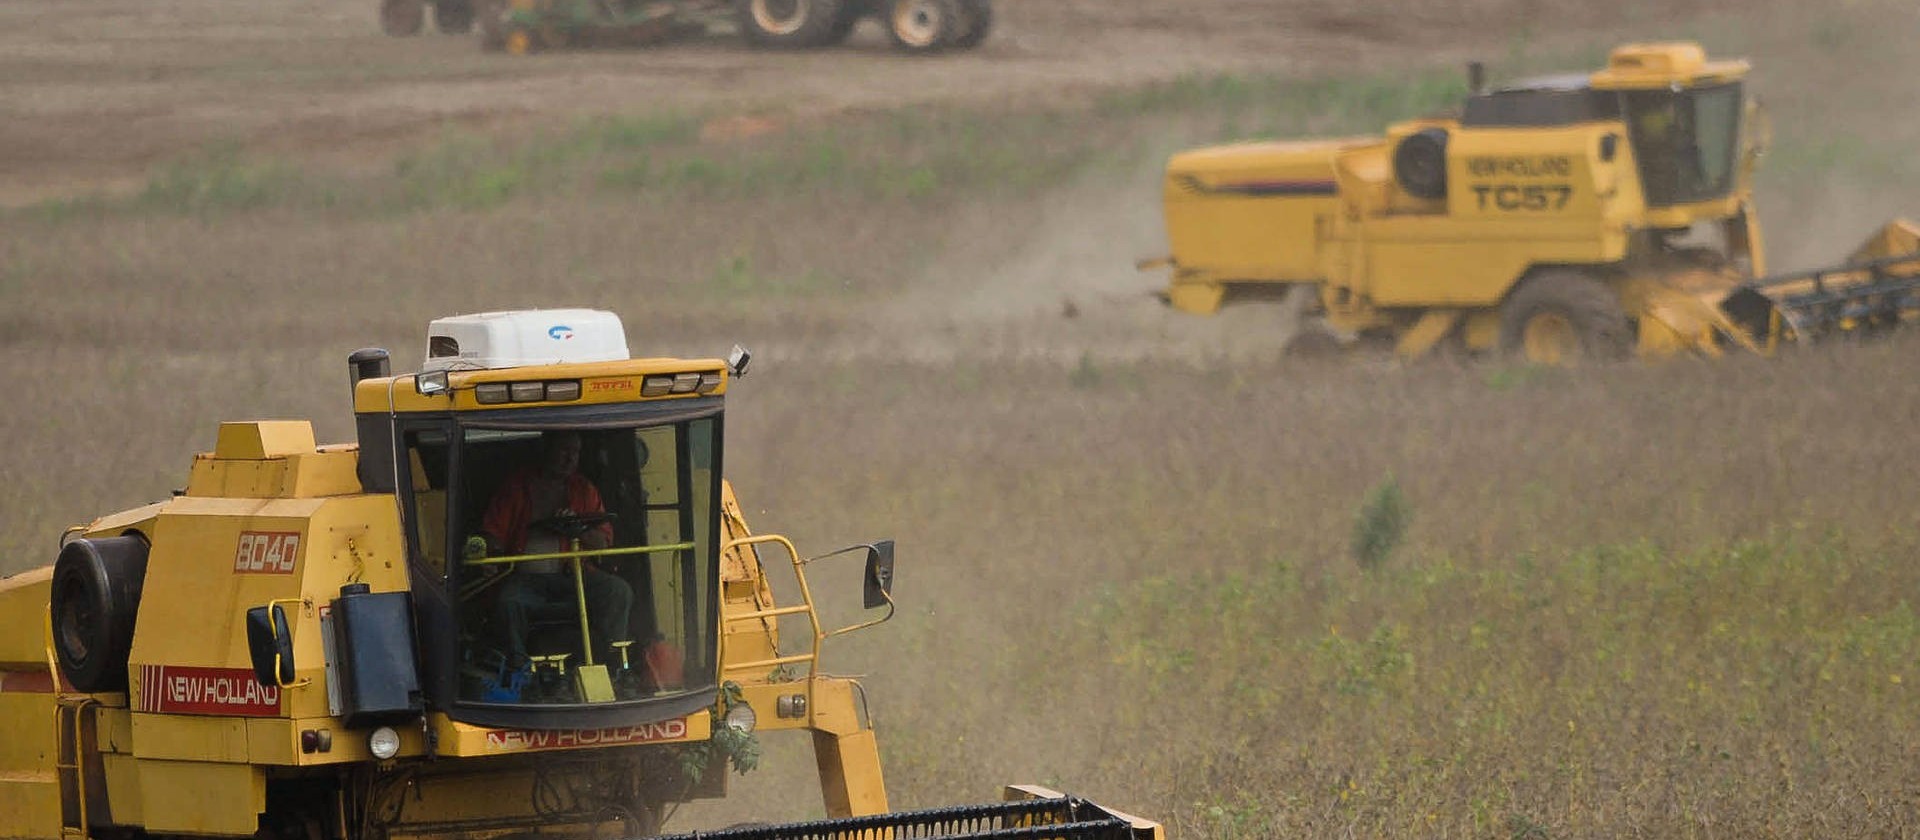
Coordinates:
780 17
1549 339
917 23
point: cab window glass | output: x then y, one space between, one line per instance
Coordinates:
586 563
426 469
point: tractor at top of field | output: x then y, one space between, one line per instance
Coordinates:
522 26
525 601
1593 215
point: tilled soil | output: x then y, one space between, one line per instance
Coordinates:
94 93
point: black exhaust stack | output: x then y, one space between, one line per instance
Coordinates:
375 429
367 363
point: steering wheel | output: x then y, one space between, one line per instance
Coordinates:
572 525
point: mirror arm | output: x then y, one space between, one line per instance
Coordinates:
273 628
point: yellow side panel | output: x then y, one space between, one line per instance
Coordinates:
29 792
113 729
29 805
213 478
306 475
1443 273
1538 176
204 739
272 741
26 718
194 605
23 620
197 798
1252 211
1442 262
256 439
123 788
323 474
1247 238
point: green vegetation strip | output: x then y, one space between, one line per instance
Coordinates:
894 155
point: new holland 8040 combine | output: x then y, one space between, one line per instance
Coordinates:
342 642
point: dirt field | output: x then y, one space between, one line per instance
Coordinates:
95 92
1662 600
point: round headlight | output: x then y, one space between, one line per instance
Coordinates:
384 743
741 718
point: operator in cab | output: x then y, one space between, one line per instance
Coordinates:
544 508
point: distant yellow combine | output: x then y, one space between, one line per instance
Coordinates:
1591 215
525 601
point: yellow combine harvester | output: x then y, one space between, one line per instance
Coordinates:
1591 215
524 601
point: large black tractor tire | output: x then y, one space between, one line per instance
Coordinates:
491 16
924 26
1420 163
845 22
978 15
1562 317
453 17
95 596
402 18
788 24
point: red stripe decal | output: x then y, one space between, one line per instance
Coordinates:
33 682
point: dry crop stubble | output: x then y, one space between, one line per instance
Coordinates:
1154 572
1124 554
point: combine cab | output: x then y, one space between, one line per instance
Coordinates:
1588 216
524 601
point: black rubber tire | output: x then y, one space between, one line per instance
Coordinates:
1420 163
491 17
788 24
844 23
402 18
453 17
979 23
95 597
922 27
1592 308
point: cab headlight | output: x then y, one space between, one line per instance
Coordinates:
741 718
384 743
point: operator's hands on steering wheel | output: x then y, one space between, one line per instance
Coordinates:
570 525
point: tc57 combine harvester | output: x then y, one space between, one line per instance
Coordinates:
1595 215
524 601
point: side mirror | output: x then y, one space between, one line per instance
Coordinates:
737 361
431 383
879 579
271 645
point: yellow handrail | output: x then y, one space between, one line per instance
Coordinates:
806 596
62 710
582 554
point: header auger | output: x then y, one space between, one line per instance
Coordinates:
1594 215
